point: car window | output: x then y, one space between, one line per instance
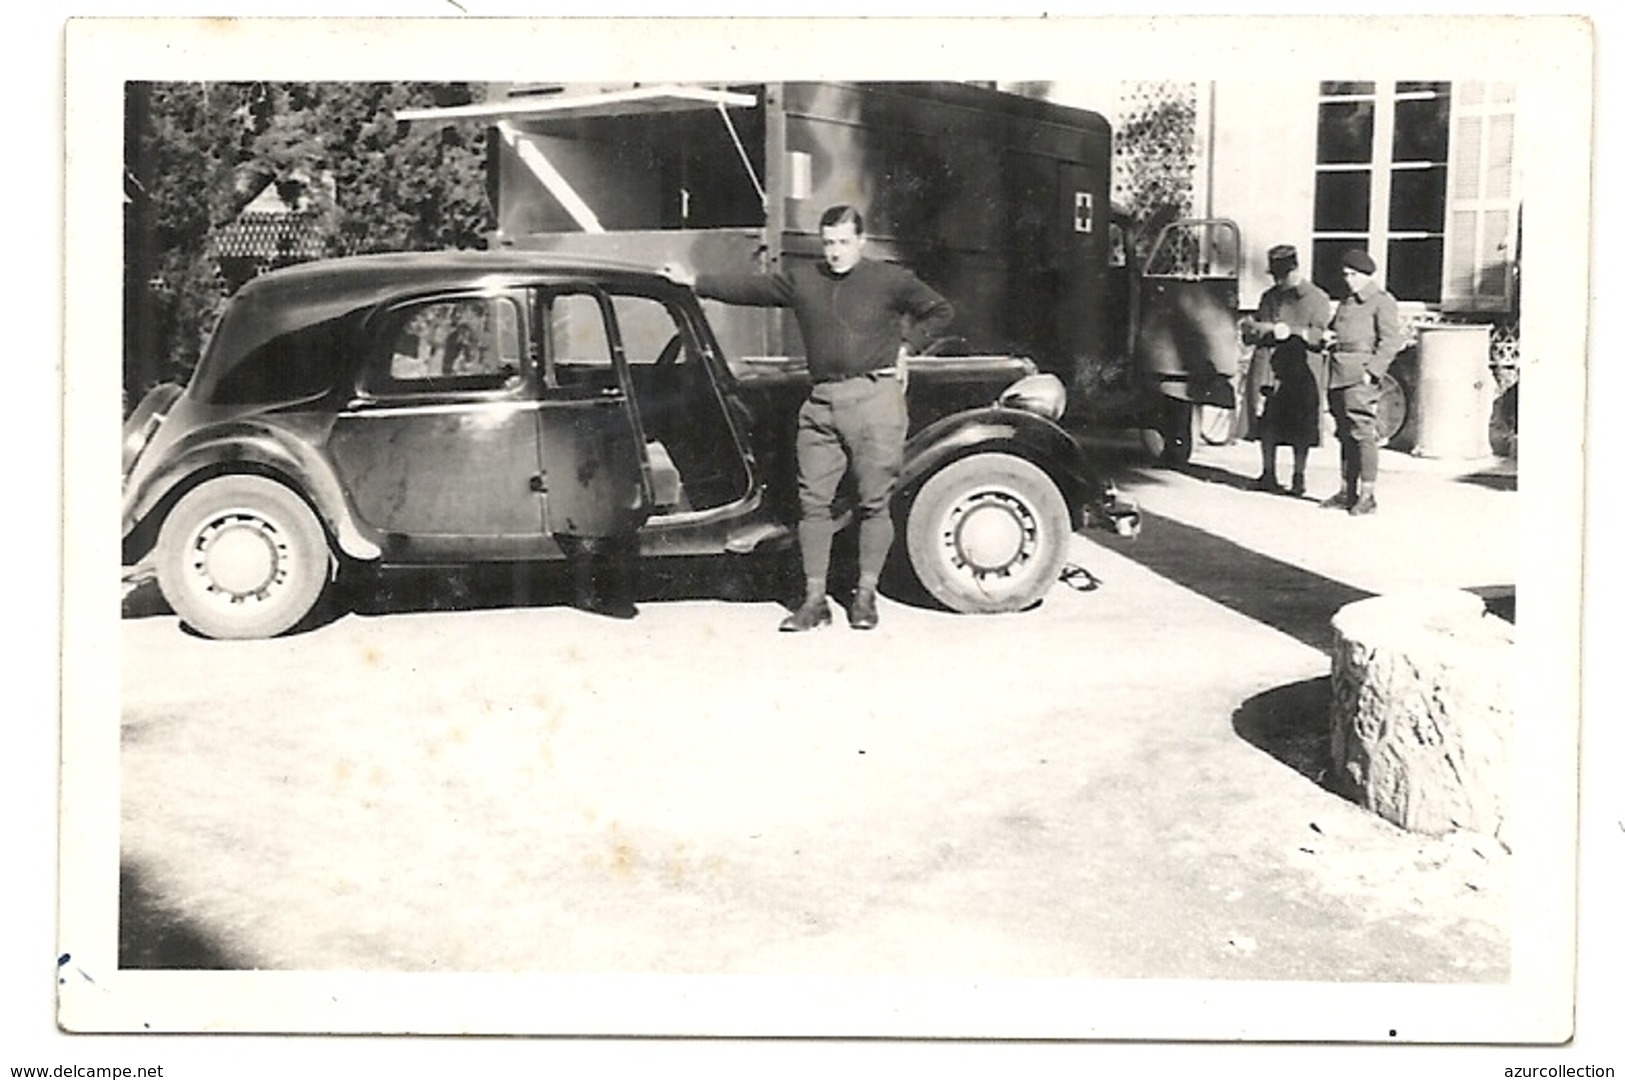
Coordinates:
579 351
648 329
467 343
577 332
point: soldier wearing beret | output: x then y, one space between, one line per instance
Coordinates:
1287 371
1368 335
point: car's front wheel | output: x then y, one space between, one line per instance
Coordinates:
242 557
988 533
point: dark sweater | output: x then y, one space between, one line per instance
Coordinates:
851 323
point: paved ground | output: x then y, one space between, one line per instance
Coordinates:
1439 523
1120 783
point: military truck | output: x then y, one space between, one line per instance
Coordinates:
1001 202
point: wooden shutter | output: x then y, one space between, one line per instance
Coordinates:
1481 226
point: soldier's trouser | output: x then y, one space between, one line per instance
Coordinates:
1355 410
855 425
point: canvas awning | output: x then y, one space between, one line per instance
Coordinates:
666 98
635 101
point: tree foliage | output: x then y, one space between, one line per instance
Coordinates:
198 153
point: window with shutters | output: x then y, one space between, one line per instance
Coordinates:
1481 232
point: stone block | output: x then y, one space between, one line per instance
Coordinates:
1422 690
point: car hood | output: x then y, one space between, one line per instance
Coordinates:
938 386
993 371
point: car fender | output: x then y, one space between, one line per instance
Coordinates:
258 445
1006 430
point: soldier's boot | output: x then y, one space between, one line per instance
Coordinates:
863 614
813 613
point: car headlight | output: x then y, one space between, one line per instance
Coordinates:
1042 394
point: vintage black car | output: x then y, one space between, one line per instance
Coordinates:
457 408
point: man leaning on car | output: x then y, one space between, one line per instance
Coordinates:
850 310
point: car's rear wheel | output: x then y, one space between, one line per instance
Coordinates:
242 557
988 533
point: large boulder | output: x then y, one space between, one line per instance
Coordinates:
1422 687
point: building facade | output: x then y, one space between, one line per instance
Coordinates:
1422 174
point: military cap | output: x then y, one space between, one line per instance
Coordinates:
1355 259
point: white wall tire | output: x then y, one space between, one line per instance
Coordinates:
242 557
988 533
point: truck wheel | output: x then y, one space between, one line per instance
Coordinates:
988 533
1393 406
242 557
1218 426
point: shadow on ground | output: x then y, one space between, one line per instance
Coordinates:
1289 598
1292 724
1293 600
1210 474
1499 600
727 578
154 937
1495 481
142 600
495 586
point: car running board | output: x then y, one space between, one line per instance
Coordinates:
755 537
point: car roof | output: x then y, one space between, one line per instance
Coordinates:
294 297
365 276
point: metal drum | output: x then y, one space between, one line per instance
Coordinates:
1455 392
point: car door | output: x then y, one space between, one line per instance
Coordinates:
1186 341
437 448
594 468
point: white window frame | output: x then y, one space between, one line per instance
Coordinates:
1382 167
1382 134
